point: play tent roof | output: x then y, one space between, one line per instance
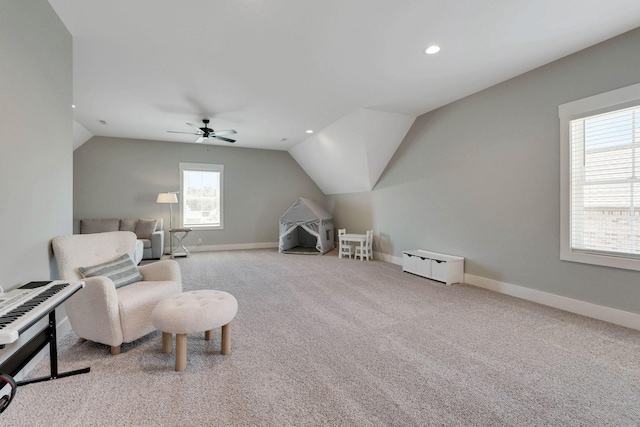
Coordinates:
304 210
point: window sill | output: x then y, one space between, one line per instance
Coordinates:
602 260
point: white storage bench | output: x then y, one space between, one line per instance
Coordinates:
432 265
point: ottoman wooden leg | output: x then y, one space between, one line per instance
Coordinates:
226 338
208 335
167 342
181 352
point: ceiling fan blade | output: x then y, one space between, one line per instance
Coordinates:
224 132
190 133
202 138
224 139
198 130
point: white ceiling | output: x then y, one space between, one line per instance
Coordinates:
271 69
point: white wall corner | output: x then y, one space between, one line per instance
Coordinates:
80 135
382 135
349 155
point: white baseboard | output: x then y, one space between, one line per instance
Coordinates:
387 258
233 247
230 247
607 314
600 312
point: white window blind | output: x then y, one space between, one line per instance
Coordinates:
605 183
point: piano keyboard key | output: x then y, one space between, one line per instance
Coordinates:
20 317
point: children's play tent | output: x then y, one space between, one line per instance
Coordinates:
306 228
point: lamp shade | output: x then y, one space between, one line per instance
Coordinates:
167 198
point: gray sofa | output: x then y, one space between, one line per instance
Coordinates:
148 230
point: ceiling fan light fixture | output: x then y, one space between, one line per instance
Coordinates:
206 132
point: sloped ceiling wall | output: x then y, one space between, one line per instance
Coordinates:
350 155
80 135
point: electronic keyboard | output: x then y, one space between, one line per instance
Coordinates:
21 308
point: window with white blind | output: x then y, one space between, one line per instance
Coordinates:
600 145
201 201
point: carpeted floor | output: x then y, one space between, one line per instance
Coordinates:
322 341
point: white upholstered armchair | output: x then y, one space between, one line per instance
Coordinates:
102 312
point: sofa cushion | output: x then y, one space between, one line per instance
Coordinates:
90 226
128 225
146 243
122 271
145 227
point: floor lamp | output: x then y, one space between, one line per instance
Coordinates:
170 198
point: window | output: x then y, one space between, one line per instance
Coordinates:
600 172
201 202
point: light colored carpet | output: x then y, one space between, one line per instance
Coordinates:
325 341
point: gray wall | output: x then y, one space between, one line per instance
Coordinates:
35 134
479 178
35 140
116 178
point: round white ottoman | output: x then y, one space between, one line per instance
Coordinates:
190 312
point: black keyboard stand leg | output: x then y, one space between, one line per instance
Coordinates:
52 340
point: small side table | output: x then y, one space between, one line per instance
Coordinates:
179 234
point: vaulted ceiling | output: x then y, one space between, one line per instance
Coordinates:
352 71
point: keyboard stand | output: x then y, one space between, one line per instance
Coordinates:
28 351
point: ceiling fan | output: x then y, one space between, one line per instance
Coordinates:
207 132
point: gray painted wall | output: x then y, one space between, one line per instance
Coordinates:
35 140
479 178
116 178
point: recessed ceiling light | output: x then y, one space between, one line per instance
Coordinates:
73 106
309 131
432 49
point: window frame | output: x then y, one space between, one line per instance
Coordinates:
203 167
597 104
